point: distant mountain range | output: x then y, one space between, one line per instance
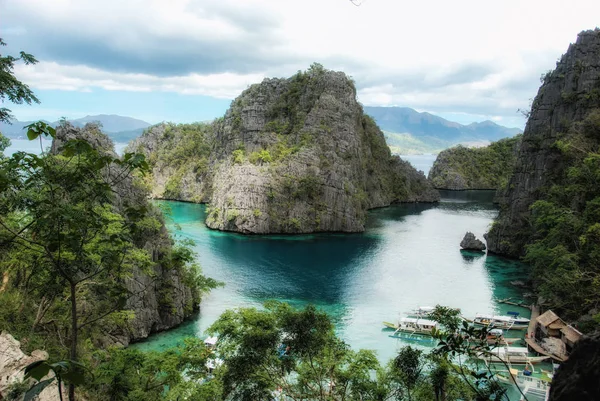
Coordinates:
409 131
406 130
118 128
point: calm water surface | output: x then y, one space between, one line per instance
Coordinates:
409 256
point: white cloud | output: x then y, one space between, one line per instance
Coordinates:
51 75
473 56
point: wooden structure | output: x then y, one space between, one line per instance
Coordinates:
550 326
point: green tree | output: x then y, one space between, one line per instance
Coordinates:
294 353
58 213
10 87
407 369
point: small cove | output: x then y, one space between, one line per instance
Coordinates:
408 256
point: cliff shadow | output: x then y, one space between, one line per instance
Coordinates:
310 268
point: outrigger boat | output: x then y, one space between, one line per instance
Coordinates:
511 322
511 355
414 325
534 388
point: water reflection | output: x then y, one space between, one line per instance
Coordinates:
311 268
486 196
471 256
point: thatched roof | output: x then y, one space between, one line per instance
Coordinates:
571 333
547 318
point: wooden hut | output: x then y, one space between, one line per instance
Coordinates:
548 324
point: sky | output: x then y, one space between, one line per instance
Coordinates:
185 60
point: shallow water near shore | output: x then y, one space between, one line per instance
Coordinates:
408 257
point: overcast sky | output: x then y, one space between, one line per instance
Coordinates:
184 60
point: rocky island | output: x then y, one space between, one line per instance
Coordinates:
460 168
294 155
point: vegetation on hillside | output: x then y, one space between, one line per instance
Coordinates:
69 246
184 148
487 167
279 351
407 144
565 243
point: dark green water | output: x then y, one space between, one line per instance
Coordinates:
409 256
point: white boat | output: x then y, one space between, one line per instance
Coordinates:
535 389
414 325
511 355
502 322
211 342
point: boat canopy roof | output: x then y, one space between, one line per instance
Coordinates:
425 322
496 332
211 341
501 318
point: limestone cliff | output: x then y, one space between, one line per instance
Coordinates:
12 363
161 299
460 168
293 155
568 94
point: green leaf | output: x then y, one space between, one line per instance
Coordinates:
75 377
32 134
34 391
37 370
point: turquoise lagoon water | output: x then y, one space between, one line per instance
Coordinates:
408 257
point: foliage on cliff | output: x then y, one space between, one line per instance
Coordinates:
568 94
174 153
488 167
565 243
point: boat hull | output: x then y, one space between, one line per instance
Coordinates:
514 360
397 328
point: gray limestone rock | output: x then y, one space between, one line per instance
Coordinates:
469 242
12 363
308 160
567 95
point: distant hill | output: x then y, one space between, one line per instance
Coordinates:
409 131
118 128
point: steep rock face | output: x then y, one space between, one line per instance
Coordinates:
296 155
460 168
566 96
152 312
577 379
